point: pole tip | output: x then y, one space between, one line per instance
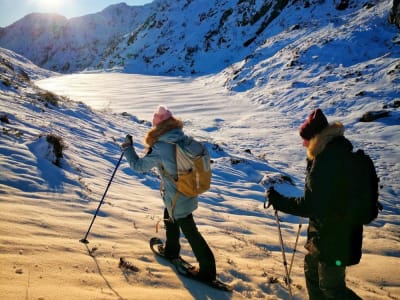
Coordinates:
84 241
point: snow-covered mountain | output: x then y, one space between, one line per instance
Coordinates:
67 45
192 37
197 37
144 39
147 39
183 37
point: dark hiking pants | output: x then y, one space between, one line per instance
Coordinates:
326 282
199 246
394 14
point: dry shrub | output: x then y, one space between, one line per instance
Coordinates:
58 147
49 97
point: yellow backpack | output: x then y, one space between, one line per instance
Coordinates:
193 168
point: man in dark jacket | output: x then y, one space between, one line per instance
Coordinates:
333 241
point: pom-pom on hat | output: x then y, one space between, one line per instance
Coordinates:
314 124
161 114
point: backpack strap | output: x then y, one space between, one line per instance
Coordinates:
174 200
166 173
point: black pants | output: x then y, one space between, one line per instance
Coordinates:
394 14
203 253
326 282
396 6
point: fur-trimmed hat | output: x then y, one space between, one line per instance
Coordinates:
161 114
315 123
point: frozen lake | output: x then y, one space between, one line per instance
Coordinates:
140 94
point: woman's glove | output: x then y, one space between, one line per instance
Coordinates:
128 143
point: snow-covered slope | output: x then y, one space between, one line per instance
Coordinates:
17 64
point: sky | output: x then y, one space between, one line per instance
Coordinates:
13 10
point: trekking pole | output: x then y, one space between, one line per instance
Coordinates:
287 281
84 240
295 245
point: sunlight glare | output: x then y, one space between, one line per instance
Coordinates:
49 5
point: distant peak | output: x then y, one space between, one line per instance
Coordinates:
36 15
40 18
117 5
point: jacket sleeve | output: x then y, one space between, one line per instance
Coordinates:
320 197
309 205
292 205
149 161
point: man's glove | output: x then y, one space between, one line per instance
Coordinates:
128 143
272 197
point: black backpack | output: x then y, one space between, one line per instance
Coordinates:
362 188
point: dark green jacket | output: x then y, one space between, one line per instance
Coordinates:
331 233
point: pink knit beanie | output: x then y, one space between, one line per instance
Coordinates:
162 113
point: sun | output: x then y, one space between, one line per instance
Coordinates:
49 5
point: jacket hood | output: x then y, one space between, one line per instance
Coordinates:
171 126
319 142
172 136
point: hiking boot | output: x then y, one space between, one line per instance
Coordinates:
197 274
205 277
391 17
161 249
342 5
